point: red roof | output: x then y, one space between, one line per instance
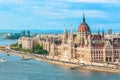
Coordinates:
96 37
116 45
98 45
83 28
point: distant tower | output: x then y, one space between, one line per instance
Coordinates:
109 31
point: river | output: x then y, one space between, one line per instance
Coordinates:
16 69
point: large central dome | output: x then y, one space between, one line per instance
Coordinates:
83 27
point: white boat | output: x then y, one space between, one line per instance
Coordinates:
23 58
2 60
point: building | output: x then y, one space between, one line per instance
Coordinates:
83 46
25 42
109 31
25 33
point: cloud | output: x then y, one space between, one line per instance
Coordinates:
12 1
53 13
57 12
93 1
29 19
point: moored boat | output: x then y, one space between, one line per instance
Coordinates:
23 58
2 60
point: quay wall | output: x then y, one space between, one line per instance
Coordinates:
72 66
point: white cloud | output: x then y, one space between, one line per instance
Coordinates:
102 1
13 1
58 11
16 1
53 13
94 1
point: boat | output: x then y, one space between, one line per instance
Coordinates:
23 58
2 60
8 54
72 68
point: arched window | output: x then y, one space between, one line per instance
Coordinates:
96 51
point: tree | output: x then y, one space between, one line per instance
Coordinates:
20 45
37 47
45 52
15 45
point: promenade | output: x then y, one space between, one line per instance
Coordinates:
71 65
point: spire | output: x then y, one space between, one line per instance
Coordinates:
98 31
64 35
83 18
71 36
64 29
71 33
71 28
102 32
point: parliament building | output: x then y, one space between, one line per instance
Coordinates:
83 45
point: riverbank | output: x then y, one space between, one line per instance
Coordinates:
40 58
73 66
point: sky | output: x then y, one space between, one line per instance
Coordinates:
57 14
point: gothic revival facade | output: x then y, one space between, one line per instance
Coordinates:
83 46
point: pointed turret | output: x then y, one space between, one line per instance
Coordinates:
71 37
103 33
65 29
98 32
64 36
71 33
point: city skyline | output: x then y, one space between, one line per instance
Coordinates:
50 15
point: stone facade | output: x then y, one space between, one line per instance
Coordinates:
25 42
83 46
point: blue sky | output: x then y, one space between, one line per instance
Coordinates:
53 14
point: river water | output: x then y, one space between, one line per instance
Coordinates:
16 69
